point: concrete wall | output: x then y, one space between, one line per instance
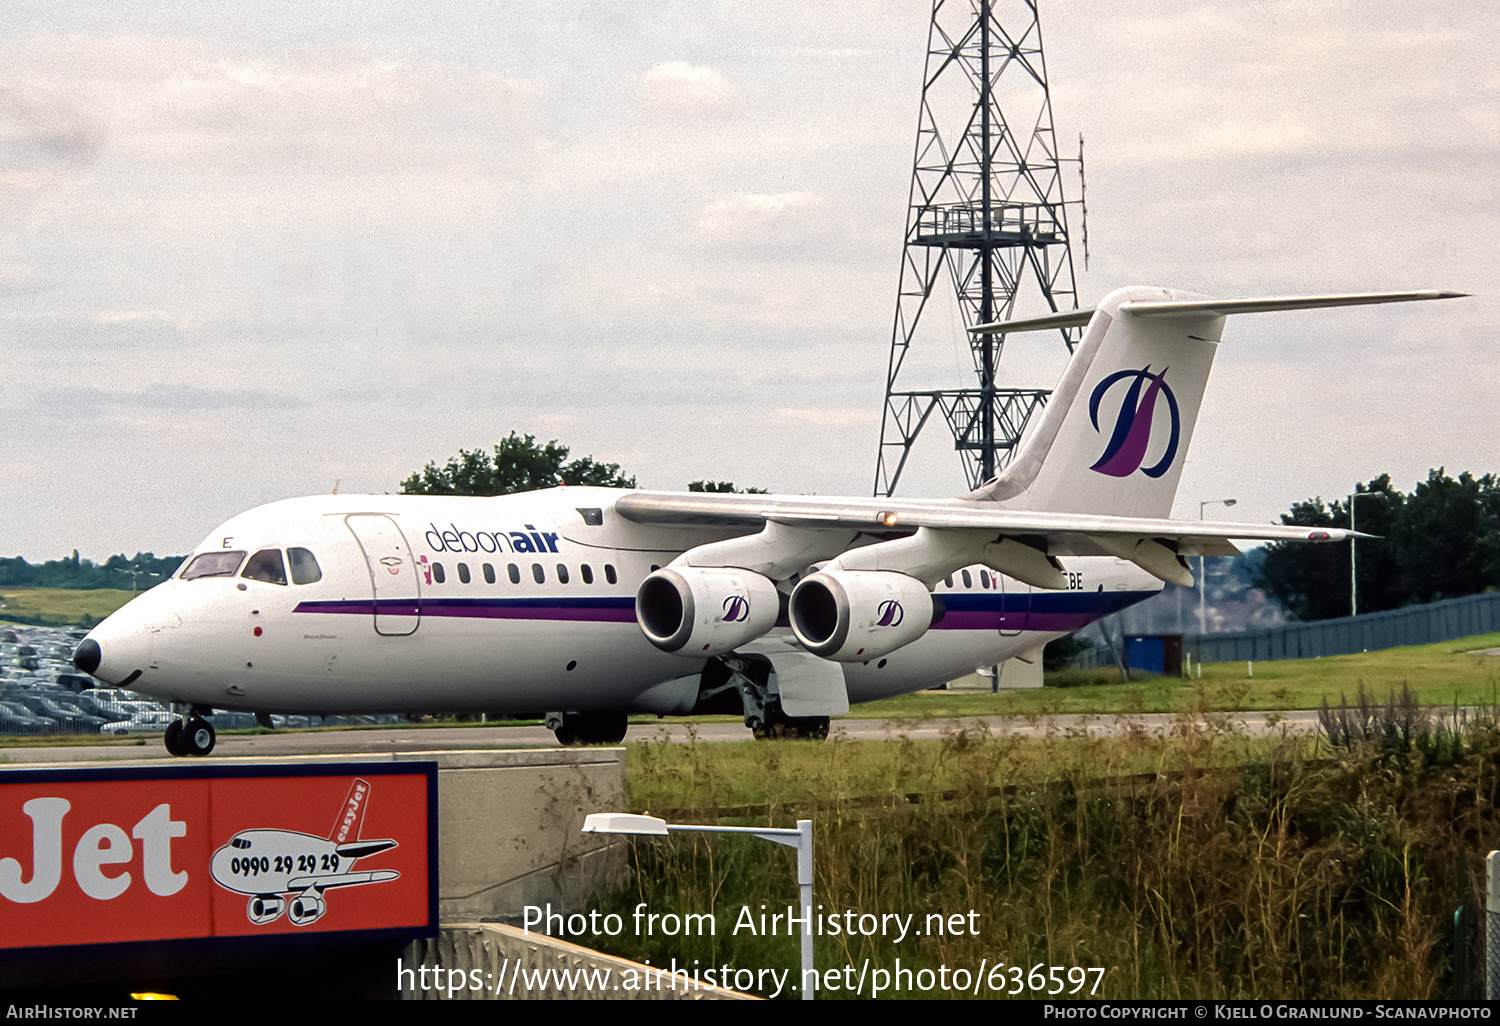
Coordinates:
492 962
509 824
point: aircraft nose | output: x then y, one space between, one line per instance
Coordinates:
86 657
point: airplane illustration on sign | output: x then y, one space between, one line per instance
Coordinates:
287 871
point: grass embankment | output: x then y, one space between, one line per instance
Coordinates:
1202 864
1444 673
60 607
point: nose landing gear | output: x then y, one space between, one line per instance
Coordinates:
190 734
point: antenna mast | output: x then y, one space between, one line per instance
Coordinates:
987 213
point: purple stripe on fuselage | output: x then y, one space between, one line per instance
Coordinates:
1038 611
597 610
988 611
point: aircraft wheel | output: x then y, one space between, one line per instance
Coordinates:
592 729
173 739
814 728
198 737
604 729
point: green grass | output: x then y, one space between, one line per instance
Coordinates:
1199 864
60 606
1443 673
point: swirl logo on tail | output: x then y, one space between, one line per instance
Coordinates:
1132 433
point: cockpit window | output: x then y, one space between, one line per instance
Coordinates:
213 564
266 566
304 567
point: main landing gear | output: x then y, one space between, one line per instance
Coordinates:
811 728
190 733
763 712
598 728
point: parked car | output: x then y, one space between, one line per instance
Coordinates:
146 723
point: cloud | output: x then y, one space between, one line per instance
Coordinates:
761 219
40 132
830 417
680 84
20 280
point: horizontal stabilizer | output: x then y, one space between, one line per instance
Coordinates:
1210 308
1225 307
359 849
1067 319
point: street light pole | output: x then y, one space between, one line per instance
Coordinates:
1353 583
1203 572
799 838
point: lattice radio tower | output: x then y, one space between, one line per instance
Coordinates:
986 212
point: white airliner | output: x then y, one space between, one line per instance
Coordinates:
588 604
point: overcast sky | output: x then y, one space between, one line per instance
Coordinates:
246 251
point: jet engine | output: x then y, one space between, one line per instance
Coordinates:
265 908
705 611
306 908
852 616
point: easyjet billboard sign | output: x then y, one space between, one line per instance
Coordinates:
110 856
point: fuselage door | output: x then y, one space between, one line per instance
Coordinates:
393 575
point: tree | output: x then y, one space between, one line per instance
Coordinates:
519 464
1447 539
1442 541
723 486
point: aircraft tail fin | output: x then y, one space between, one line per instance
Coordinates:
351 813
1115 434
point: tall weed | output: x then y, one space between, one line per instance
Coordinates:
1198 864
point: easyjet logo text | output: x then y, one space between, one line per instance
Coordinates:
102 847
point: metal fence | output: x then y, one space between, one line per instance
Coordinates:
1413 625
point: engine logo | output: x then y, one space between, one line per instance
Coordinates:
1132 433
736 609
891 614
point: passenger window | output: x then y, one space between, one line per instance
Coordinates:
463 573
304 567
213 564
968 581
948 581
265 566
489 574
562 574
984 578
538 574
514 573
588 573
438 576
609 573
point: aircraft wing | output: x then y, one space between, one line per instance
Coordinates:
324 881
1058 534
